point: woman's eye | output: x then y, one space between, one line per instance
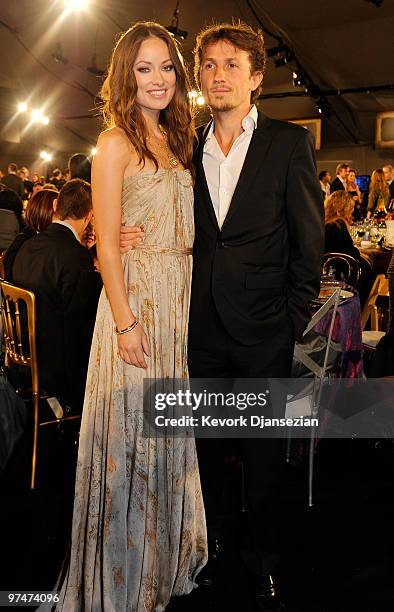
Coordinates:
143 69
168 68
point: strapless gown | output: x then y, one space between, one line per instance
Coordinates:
138 533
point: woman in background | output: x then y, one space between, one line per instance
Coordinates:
38 216
355 193
379 193
339 208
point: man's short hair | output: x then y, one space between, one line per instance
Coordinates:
341 167
388 166
241 36
12 167
74 200
322 174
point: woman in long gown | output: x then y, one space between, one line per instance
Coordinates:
138 533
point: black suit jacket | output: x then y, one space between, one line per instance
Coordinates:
13 181
264 265
60 271
337 185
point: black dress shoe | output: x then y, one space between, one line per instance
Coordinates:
267 595
208 574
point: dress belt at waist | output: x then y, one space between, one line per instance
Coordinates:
153 248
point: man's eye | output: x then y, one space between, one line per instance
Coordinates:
232 65
208 66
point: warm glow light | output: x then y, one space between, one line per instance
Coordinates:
93 151
36 116
200 101
75 5
193 94
45 120
22 107
46 156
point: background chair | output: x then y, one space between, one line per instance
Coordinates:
19 329
344 266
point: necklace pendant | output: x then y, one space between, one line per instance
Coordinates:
173 162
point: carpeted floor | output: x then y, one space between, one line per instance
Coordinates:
337 556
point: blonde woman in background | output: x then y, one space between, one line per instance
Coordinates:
379 193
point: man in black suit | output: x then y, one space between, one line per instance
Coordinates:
13 181
340 181
256 266
389 178
60 271
259 235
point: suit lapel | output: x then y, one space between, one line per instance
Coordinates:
258 148
202 178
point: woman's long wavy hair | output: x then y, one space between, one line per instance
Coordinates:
119 92
339 206
378 187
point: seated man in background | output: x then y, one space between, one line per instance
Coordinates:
60 271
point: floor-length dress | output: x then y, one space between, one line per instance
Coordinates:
138 534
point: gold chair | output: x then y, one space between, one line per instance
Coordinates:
380 288
16 351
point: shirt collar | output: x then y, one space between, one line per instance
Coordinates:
70 227
249 122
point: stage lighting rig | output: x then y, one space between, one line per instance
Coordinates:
377 3
58 56
173 28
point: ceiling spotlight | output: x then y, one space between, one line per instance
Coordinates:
93 151
200 101
298 77
323 107
37 116
45 156
174 27
22 107
277 50
282 61
75 5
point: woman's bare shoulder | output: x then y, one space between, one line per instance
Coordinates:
114 136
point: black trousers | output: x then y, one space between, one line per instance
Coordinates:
218 355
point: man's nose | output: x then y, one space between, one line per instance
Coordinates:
219 74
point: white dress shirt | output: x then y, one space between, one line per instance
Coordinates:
221 171
326 188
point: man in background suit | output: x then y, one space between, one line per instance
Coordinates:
389 178
13 181
60 271
340 181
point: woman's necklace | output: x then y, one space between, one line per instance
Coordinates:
163 144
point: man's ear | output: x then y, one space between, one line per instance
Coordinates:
54 205
256 80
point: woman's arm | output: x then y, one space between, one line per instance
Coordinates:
113 156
